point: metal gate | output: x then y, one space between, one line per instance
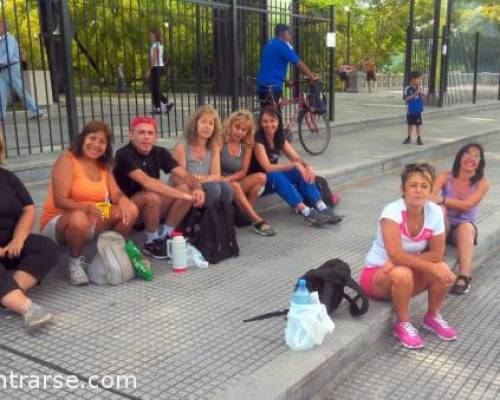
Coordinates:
88 60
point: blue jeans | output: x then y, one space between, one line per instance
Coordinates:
291 187
10 81
215 191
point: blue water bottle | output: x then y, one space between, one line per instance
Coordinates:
301 294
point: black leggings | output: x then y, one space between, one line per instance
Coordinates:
157 96
37 257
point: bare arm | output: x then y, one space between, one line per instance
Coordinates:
438 186
472 200
392 241
306 71
157 186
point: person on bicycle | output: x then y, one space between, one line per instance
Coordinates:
276 55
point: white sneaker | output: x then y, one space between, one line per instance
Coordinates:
76 272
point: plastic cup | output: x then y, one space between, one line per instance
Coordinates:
104 208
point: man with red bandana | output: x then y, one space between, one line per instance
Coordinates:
137 172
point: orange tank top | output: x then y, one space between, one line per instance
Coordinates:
83 190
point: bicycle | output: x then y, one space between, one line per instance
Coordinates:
313 126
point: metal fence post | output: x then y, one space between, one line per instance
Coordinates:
449 12
409 42
476 64
331 75
197 57
435 47
69 86
296 42
236 54
444 57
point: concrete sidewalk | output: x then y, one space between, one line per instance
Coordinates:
182 336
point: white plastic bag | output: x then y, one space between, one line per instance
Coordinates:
195 258
307 326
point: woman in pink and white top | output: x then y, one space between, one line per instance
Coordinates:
406 257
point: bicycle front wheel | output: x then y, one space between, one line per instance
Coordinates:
314 132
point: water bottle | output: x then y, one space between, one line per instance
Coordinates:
301 294
177 251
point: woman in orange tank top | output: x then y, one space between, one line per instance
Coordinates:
81 178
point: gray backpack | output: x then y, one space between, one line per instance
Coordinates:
111 264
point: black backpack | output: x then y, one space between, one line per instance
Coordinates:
330 280
316 98
212 232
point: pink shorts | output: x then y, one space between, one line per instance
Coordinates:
366 279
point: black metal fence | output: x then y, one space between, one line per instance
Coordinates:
87 59
472 72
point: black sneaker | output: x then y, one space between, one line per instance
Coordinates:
419 141
315 218
407 140
156 249
332 217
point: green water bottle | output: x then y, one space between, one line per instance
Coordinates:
142 267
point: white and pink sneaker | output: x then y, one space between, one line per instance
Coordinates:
407 335
439 326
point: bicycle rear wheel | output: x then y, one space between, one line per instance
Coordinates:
314 132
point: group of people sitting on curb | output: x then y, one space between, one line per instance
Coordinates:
217 163
407 255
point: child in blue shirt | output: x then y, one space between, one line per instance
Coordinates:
415 106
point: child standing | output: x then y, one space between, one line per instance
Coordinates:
415 106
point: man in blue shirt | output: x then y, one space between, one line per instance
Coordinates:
10 74
276 55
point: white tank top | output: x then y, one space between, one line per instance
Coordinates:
159 61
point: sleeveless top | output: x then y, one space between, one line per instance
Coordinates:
83 190
159 61
198 167
455 216
230 164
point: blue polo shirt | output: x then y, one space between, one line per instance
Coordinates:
416 104
274 60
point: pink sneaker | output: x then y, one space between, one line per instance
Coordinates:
439 326
407 335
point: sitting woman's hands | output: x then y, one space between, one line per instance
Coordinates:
198 197
92 211
444 273
12 249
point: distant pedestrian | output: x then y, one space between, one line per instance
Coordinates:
344 70
406 257
415 106
459 192
157 69
369 68
10 74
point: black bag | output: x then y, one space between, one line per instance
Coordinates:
316 98
240 218
212 231
330 281
326 193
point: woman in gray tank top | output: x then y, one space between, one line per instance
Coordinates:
238 133
200 156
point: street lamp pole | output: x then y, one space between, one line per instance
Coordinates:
348 10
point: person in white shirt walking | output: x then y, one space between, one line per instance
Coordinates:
157 68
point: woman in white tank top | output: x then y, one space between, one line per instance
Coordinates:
157 67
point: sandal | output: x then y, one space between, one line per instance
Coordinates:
263 228
461 288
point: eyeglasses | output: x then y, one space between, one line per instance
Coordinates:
472 157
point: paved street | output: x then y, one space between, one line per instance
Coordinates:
467 369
